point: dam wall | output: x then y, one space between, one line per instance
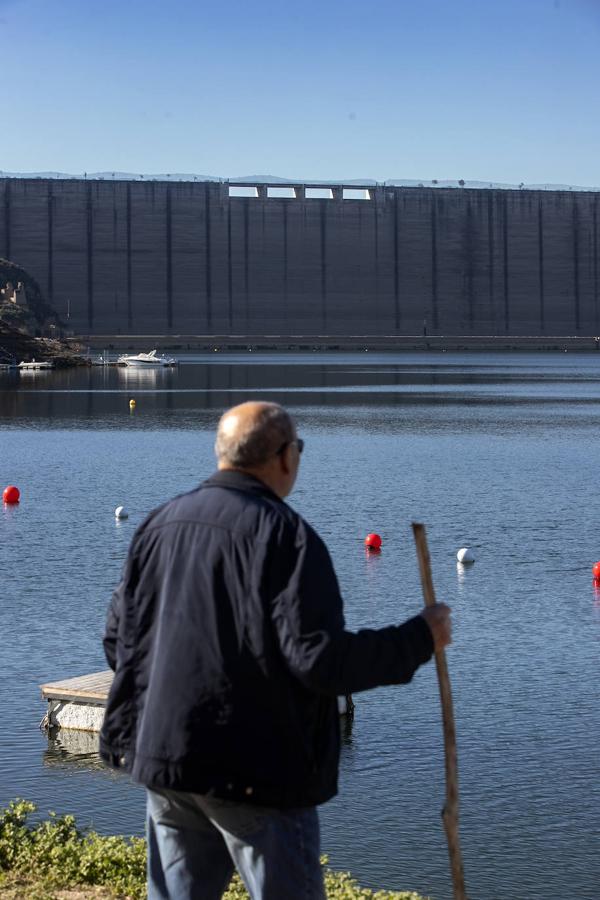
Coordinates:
196 258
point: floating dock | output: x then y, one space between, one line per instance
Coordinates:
78 703
36 365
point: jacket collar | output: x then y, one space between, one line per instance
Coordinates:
240 481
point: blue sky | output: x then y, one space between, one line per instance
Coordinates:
492 91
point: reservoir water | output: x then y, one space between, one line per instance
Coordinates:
495 452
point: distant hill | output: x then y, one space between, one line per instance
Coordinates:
276 179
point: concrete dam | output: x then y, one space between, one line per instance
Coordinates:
217 258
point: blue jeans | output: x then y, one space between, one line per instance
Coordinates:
194 842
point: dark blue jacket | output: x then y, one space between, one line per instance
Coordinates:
228 643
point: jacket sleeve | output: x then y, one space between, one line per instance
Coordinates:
307 612
112 627
116 610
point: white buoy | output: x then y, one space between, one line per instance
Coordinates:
121 513
465 556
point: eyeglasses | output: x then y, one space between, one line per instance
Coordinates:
297 441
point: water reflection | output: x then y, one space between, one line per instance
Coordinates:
73 749
212 385
462 574
32 374
346 726
371 555
9 510
146 378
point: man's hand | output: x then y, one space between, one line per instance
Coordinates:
440 624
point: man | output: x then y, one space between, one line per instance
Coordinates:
228 643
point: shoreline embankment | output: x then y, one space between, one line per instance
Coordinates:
16 345
339 343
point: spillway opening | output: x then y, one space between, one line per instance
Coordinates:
283 193
318 193
357 194
242 191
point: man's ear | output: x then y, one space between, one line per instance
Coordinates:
287 461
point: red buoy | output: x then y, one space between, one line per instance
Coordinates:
373 542
11 494
596 571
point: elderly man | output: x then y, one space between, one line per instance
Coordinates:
228 643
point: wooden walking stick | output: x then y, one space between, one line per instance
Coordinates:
450 810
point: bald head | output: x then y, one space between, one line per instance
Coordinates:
250 434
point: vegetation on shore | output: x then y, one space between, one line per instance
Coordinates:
16 345
22 327
55 859
38 313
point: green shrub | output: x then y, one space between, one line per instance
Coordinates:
56 855
61 855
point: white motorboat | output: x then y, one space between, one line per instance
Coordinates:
147 360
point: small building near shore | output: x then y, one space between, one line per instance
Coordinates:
16 295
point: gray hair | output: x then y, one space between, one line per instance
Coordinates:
253 445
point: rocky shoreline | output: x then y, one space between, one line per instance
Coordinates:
17 346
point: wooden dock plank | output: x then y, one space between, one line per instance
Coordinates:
92 688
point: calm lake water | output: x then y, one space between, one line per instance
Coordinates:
495 452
